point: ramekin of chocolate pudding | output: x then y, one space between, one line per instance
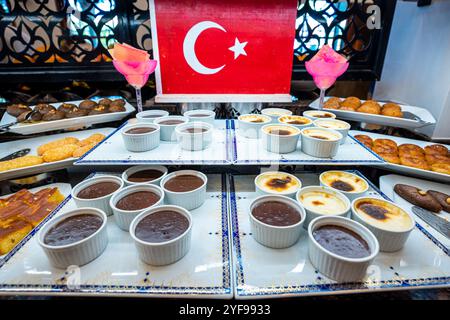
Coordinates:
140 137
341 248
194 136
276 221
250 125
202 115
132 200
96 192
280 138
162 234
146 174
74 238
185 188
149 116
168 125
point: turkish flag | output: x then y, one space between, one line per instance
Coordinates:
223 47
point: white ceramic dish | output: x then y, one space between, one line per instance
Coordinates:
149 116
101 203
319 114
193 116
122 217
275 113
80 252
345 177
338 125
390 240
276 237
290 192
290 120
252 130
162 253
320 148
336 267
190 199
278 143
7 148
143 141
135 169
168 130
424 117
194 141
80 122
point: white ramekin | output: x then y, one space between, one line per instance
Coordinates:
123 218
168 130
135 169
190 199
280 144
349 195
78 253
208 119
291 194
390 241
310 114
275 113
162 253
194 141
101 203
252 129
160 113
143 141
320 148
343 131
276 237
298 126
311 214
339 268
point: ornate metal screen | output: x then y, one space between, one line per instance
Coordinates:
55 40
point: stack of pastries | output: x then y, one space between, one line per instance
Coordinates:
370 106
435 157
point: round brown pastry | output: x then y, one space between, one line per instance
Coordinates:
384 149
331 105
44 108
117 102
411 150
392 110
36 116
116 108
366 140
100 109
385 142
415 162
105 102
66 107
347 108
436 158
53 115
17 109
353 100
436 149
441 168
390 157
370 106
76 112
87 105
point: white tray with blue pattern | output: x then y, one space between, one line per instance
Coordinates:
112 151
205 272
261 272
245 151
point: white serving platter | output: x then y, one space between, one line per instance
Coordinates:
205 272
245 151
387 184
427 174
7 148
80 122
112 151
424 117
64 188
262 272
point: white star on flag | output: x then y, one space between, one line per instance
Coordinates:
238 48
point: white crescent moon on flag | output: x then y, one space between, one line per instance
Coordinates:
189 46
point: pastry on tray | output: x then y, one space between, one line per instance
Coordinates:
53 115
442 198
392 110
16 110
370 106
389 109
418 197
87 105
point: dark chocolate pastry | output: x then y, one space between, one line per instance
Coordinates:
442 198
17 109
53 115
116 108
87 105
66 107
417 197
76 112
117 102
105 102
44 108
100 109
36 116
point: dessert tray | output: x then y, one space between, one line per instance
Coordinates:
246 151
112 151
415 117
432 175
387 184
43 126
204 272
261 272
33 143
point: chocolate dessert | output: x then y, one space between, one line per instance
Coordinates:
137 200
276 213
73 229
341 241
161 226
53 115
16 110
184 183
145 175
170 122
342 185
373 210
76 112
66 107
44 108
279 183
98 190
140 130
87 105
